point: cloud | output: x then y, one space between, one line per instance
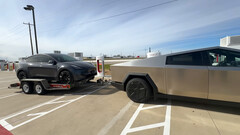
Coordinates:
69 26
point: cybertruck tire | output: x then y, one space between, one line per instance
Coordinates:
138 90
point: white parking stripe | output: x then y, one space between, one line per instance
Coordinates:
146 127
40 114
166 130
2 97
108 126
165 124
151 107
128 126
8 80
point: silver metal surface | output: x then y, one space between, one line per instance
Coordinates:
191 81
224 84
218 83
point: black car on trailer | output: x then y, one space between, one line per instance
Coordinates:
59 68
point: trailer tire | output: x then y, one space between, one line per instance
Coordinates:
39 89
138 90
27 87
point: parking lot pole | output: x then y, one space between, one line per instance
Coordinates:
30 34
35 31
31 8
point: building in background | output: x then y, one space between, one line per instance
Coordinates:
56 51
152 54
77 55
230 41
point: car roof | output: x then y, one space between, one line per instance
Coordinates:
203 49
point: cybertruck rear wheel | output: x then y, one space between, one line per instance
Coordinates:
138 90
65 77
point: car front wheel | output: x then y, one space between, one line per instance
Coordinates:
65 77
138 90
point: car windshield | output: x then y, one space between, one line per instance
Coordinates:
63 58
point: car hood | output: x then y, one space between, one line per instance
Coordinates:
81 64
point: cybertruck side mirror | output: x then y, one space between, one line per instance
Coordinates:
52 62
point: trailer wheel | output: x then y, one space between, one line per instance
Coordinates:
39 89
27 87
138 90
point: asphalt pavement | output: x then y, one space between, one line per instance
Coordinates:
95 109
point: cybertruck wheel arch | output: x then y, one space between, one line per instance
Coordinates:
144 76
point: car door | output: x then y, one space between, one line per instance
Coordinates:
224 75
47 70
33 66
187 75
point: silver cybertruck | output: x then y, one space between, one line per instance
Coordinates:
209 73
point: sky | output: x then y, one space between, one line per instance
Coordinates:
111 27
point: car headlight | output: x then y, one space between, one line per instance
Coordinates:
76 67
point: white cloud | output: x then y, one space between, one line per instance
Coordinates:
131 33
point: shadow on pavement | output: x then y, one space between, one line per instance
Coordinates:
84 89
216 106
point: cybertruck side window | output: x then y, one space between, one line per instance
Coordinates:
190 59
224 58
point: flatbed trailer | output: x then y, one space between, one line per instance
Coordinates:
40 86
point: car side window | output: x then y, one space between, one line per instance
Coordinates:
224 58
44 59
32 59
193 59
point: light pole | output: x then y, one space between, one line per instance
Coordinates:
30 7
30 34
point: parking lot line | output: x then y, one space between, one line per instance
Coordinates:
9 127
129 124
10 77
108 126
165 124
166 130
10 95
8 81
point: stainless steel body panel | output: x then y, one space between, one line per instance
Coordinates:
224 83
207 82
190 81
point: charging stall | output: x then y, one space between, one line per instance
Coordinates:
100 66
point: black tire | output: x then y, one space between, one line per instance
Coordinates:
65 77
22 75
138 90
27 87
39 89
